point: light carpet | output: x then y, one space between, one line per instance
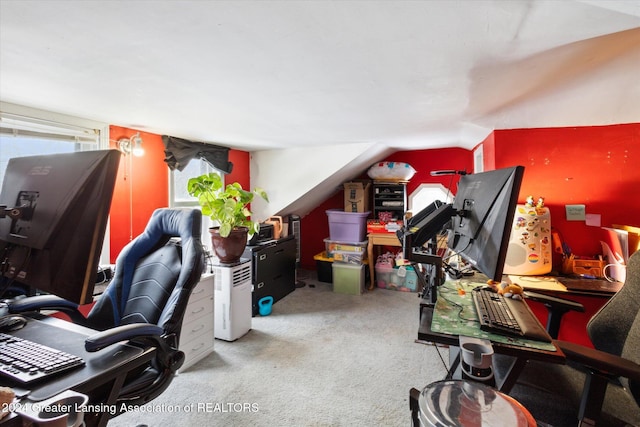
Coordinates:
320 359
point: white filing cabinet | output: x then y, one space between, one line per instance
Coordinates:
197 334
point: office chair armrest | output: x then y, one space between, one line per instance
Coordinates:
556 308
103 339
600 360
555 303
47 302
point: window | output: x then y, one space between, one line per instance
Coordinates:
425 194
180 198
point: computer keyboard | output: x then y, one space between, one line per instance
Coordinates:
26 361
507 316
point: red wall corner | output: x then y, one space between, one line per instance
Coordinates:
142 187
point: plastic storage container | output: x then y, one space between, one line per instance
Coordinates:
347 226
399 279
348 278
323 267
348 257
334 245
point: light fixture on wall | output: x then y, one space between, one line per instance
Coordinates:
131 145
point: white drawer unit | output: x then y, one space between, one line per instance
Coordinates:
197 334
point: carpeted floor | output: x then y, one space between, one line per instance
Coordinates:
320 359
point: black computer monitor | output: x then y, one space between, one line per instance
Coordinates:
485 204
427 223
54 215
479 222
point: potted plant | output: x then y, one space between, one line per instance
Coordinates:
229 207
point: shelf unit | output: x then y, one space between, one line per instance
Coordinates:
390 197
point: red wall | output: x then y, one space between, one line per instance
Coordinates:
596 166
240 172
143 186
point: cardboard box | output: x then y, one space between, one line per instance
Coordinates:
356 196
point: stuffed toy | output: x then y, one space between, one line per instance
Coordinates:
508 290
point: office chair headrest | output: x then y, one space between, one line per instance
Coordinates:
163 225
185 224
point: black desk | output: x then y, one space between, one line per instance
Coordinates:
517 355
101 378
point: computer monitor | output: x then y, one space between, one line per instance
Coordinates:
485 204
479 222
427 223
53 218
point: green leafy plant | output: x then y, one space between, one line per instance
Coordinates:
227 205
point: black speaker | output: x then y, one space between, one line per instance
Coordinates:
293 222
294 229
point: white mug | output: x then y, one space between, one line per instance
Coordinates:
618 272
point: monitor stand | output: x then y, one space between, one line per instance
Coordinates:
433 276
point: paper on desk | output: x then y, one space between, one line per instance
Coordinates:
541 283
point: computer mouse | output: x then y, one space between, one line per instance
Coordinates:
12 322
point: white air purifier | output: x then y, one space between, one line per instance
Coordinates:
529 252
232 300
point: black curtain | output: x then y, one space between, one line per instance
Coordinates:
178 152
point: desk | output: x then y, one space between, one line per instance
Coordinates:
101 378
518 355
383 239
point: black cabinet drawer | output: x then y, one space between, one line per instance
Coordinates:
274 260
273 269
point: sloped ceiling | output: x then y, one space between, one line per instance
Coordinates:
259 75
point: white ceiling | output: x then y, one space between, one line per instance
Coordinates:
258 75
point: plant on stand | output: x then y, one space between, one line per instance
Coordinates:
229 207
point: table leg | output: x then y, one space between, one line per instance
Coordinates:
372 279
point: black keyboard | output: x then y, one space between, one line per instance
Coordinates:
507 316
26 361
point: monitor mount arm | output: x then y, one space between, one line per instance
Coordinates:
434 276
13 213
24 209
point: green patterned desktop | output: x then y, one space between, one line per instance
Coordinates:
455 314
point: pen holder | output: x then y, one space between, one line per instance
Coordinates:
587 267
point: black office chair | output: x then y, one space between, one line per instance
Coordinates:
597 386
146 300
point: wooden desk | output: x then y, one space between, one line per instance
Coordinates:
379 239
